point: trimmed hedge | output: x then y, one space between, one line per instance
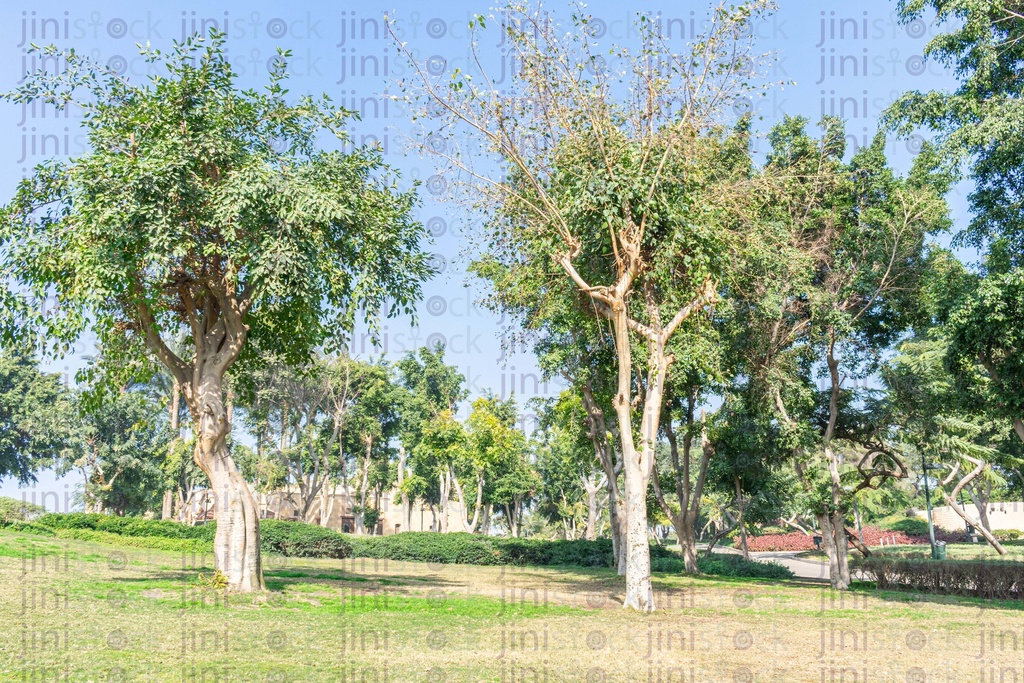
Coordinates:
463 548
296 539
153 542
128 526
26 527
976 578
293 539
721 564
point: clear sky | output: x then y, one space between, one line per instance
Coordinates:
847 59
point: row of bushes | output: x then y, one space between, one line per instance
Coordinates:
296 539
977 578
292 539
463 548
128 526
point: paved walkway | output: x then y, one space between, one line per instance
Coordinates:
803 567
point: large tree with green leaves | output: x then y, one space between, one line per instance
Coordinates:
847 254
207 209
977 127
615 180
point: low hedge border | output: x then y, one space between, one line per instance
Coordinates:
973 578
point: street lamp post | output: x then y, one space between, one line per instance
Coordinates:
928 505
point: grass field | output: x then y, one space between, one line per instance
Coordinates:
83 611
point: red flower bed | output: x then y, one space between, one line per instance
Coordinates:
873 536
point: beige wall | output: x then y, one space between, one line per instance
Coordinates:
1000 516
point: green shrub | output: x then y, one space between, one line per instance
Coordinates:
152 542
26 528
129 526
978 578
669 565
911 526
14 510
722 564
296 539
463 548
1007 534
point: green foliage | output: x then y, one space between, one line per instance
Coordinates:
1008 534
911 527
26 527
202 209
721 564
978 578
154 542
128 526
14 510
295 539
35 415
462 548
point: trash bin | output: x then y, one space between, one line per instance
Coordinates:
940 550
817 542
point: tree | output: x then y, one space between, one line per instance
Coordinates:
370 426
430 388
977 130
949 425
120 442
299 415
35 416
616 187
442 443
852 237
568 465
697 369
206 210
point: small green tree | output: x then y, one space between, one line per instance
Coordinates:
35 415
203 209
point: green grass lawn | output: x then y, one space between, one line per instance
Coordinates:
960 551
74 610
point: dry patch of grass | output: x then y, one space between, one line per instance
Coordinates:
89 612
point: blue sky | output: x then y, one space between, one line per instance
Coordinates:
848 59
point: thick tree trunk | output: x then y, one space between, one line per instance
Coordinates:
637 462
406 503
167 510
742 524
686 533
980 495
237 542
834 541
591 486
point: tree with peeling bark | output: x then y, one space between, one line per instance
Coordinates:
203 209
615 175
